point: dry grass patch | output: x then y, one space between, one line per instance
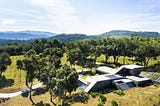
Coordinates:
137 96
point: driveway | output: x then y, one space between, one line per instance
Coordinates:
10 95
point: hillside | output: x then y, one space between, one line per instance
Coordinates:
25 35
125 33
22 37
70 37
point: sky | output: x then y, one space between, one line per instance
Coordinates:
80 16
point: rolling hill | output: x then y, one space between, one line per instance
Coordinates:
25 35
125 33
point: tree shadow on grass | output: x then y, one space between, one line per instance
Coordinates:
5 82
81 97
42 104
39 91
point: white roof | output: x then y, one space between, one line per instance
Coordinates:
123 80
106 69
109 70
134 78
102 77
132 66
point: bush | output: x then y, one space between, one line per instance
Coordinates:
119 92
94 94
102 98
114 103
93 71
100 104
80 97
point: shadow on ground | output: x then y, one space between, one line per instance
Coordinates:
39 91
5 82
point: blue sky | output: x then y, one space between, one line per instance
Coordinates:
80 16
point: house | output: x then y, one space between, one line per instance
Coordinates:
123 84
140 81
124 77
100 82
124 70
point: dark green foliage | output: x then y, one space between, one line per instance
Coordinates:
94 94
4 62
19 64
114 103
70 37
102 98
119 92
100 104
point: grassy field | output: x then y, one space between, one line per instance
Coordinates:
137 96
127 60
18 76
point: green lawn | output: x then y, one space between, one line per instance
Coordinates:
128 60
17 75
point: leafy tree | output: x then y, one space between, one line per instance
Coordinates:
73 55
19 66
32 66
48 77
67 81
4 62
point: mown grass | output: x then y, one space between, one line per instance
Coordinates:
18 76
64 61
128 60
15 74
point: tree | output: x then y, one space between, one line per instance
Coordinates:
96 51
145 52
4 62
67 81
48 77
32 65
73 56
19 66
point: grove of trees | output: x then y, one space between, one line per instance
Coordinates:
42 60
141 50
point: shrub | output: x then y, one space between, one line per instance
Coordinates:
93 71
119 92
114 103
102 98
94 94
100 104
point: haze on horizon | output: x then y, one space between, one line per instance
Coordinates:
80 16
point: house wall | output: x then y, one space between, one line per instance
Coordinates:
136 72
102 85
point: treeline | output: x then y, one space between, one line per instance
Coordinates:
38 45
87 51
5 42
139 49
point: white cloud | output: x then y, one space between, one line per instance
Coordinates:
8 21
60 15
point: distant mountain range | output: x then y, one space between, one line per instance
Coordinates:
28 35
25 35
125 33
111 34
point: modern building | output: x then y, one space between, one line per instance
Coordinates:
140 81
100 82
124 70
124 77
